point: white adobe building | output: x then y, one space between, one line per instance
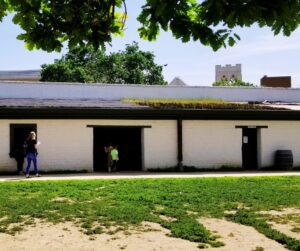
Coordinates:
75 121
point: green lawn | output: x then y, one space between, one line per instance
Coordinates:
98 204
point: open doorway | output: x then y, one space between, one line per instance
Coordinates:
18 135
129 143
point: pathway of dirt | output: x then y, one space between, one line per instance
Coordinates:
151 237
239 237
66 236
282 221
152 175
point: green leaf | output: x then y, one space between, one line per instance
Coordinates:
231 41
237 36
47 24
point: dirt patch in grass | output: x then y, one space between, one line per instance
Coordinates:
147 237
3 218
66 236
167 218
286 221
62 200
286 229
282 212
239 237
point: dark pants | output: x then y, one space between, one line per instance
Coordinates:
114 165
20 163
109 162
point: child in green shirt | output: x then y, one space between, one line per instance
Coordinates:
115 158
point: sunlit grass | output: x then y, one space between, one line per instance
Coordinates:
205 103
95 205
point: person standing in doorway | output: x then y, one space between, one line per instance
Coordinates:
114 157
19 155
107 150
31 153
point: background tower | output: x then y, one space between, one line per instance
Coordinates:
228 72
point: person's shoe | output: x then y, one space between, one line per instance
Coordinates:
27 176
38 175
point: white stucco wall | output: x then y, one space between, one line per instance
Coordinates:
116 92
68 144
65 145
280 135
5 162
160 148
211 144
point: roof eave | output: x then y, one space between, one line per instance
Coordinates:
145 113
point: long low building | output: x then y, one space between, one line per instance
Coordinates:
25 75
47 90
74 132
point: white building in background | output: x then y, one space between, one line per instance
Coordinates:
228 72
25 75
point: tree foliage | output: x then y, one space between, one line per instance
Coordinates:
47 24
85 64
232 82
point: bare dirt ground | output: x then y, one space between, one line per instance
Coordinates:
283 221
239 237
148 237
66 236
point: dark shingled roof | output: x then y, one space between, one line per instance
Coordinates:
103 109
70 103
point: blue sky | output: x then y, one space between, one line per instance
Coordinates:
259 51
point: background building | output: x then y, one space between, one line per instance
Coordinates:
228 72
26 75
281 81
177 81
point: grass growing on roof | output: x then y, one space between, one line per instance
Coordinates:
98 204
205 103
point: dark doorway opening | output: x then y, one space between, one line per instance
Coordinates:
129 145
249 148
18 135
